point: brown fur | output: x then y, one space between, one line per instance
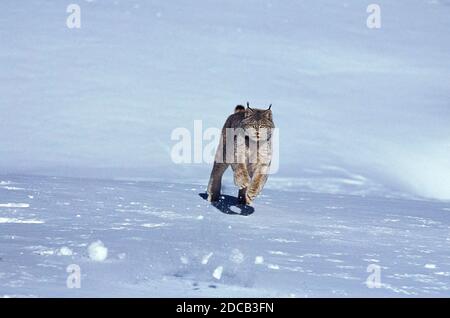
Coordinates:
248 152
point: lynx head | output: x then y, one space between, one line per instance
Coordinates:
258 123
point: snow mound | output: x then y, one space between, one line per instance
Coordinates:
65 251
206 258
97 251
217 274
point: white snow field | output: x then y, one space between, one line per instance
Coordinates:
164 240
363 116
104 99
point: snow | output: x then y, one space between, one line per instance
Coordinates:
290 245
18 221
259 260
14 205
217 274
237 257
373 103
65 251
13 188
206 258
97 251
154 225
86 176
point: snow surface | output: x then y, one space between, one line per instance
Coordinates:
103 100
290 244
364 177
97 251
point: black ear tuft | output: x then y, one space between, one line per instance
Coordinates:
269 107
248 105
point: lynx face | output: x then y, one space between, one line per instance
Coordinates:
258 124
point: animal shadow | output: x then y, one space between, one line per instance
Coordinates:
226 202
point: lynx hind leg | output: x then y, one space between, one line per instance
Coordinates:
241 177
215 181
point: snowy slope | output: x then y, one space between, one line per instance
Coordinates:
103 100
163 239
364 173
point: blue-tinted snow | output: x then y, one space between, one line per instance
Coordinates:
103 100
364 162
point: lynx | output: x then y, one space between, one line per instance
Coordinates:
246 146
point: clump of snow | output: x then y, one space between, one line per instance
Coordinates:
18 221
200 217
430 266
65 251
44 252
122 256
236 256
206 258
13 188
443 273
14 205
184 260
97 251
273 266
154 225
259 260
217 274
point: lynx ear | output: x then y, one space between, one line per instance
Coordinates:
268 113
239 109
248 106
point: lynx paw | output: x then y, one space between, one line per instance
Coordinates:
241 180
245 200
250 196
248 199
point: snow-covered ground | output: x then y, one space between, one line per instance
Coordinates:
363 116
103 100
163 239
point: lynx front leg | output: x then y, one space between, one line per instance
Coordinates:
242 196
258 182
241 177
215 181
